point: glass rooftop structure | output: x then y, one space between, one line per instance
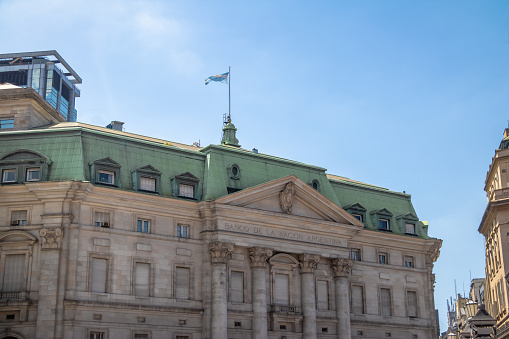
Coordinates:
48 74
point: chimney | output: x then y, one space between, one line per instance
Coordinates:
116 125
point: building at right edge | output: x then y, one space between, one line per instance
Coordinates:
495 228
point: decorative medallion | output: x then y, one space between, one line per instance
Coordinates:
286 197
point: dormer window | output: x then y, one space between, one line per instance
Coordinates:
409 228
382 219
357 211
185 185
407 223
383 224
24 166
105 172
147 179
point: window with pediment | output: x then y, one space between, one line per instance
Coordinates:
147 179
357 211
23 166
16 249
407 223
185 185
105 172
382 219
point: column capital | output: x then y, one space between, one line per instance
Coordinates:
341 267
51 238
308 262
220 252
258 256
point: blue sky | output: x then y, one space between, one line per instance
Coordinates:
408 95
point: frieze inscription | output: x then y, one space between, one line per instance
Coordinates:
280 234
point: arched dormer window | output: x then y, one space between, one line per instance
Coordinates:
24 165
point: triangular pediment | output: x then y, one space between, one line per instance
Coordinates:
408 216
290 196
149 169
107 162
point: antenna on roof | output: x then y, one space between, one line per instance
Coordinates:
455 289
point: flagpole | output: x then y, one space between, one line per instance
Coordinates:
229 95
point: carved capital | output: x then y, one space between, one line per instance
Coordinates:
51 238
286 197
220 252
258 256
308 262
341 267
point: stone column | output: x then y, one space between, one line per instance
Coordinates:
341 268
258 258
307 266
220 253
51 244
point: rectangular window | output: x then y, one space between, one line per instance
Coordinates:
409 261
322 295
182 231
96 335
182 282
357 216
237 287
186 191
7 123
383 224
99 272
33 174
142 279
9 175
282 293
19 218
106 177
411 298
409 228
382 258
14 275
147 184
143 226
385 300
102 219
355 254
357 299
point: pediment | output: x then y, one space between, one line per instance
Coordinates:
149 169
107 162
304 201
187 175
355 207
17 236
383 211
408 216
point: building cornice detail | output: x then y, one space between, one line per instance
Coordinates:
220 252
341 267
258 256
308 262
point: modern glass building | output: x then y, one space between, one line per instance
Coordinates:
48 74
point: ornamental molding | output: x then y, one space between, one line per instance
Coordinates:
220 252
51 238
308 262
341 267
258 256
286 197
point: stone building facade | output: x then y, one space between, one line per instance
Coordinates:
106 234
495 229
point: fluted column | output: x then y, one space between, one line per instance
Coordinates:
307 264
258 258
341 268
220 253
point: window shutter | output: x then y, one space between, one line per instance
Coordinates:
101 218
282 296
142 279
412 303
99 275
237 287
322 295
14 275
147 184
186 191
386 302
357 300
19 215
182 283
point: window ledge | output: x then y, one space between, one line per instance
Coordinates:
385 230
412 234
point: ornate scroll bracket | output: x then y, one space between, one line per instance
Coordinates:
258 256
286 197
308 262
341 266
220 252
51 238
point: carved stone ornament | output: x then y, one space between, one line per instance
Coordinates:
51 238
341 266
220 252
258 256
286 197
308 262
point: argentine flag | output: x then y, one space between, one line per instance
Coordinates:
218 78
